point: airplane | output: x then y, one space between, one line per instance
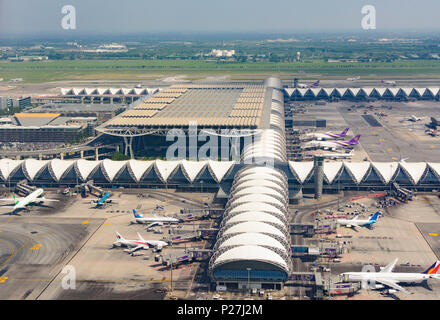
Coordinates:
353 79
139 244
388 82
413 118
104 199
155 220
387 277
355 222
305 86
327 135
335 156
33 197
328 145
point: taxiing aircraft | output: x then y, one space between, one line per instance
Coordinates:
305 86
155 220
33 197
413 118
388 82
141 243
326 136
387 277
355 222
353 79
104 199
332 145
335 156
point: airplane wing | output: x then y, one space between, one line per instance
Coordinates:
140 237
47 200
11 199
152 225
137 248
389 267
393 285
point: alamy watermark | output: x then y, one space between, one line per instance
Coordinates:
68 22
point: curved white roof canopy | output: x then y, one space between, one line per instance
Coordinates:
251 238
252 253
7 166
32 167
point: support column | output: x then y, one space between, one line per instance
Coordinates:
128 141
97 154
40 156
81 154
62 156
318 167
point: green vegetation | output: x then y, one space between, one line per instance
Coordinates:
130 69
117 156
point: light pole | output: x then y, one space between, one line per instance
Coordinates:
249 280
171 283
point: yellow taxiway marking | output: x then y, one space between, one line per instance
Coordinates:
3 279
390 149
433 234
107 223
85 222
36 246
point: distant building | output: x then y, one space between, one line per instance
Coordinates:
22 102
221 53
44 127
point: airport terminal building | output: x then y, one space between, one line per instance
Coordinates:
252 248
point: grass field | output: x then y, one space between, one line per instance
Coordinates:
151 69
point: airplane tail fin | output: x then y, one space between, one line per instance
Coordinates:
118 236
315 84
15 200
154 213
136 214
374 217
344 133
355 140
434 269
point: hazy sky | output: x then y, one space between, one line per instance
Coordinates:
32 17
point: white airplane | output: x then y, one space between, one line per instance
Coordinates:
326 136
355 222
306 86
389 82
33 197
139 244
353 79
387 277
328 145
155 220
335 156
413 118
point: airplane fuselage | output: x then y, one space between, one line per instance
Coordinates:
393 276
30 198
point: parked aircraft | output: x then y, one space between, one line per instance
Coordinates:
388 278
355 222
305 86
34 197
332 145
141 243
326 135
155 220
